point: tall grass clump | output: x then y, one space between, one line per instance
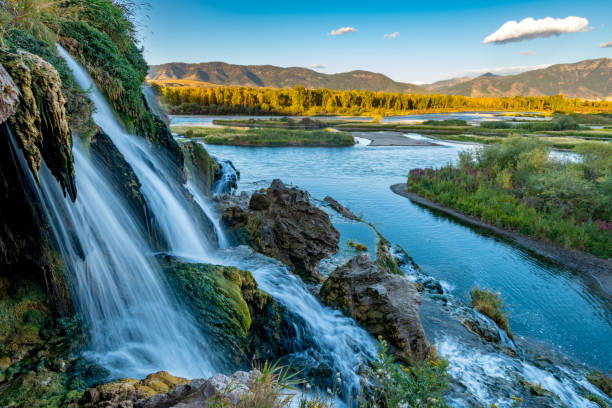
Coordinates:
490 304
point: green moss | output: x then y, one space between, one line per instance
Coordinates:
597 399
490 304
221 297
201 166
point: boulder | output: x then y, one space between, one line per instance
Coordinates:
9 95
243 321
280 222
162 390
385 304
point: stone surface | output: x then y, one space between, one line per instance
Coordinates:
280 222
385 304
9 95
342 210
40 123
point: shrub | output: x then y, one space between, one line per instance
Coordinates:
395 386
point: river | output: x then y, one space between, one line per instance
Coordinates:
547 303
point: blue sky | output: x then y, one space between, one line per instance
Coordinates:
436 40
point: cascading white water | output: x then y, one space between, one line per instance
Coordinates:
135 324
228 180
330 333
204 203
164 196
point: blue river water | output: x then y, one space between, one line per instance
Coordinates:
546 302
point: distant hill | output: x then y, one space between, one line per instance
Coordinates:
590 79
269 76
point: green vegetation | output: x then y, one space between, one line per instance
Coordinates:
302 101
517 186
446 122
396 386
267 137
601 381
490 304
597 399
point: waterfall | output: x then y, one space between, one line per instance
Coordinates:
135 324
229 178
205 204
164 195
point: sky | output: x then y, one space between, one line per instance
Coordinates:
417 42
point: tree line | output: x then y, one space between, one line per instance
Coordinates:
302 101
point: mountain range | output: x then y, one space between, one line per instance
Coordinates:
589 79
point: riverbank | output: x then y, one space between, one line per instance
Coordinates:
599 269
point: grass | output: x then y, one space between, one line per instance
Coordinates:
267 137
490 304
514 185
601 381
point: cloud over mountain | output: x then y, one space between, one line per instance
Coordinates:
529 28
606 45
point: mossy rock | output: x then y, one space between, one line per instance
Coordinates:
238 317
201 167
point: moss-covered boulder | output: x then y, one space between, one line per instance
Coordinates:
9 95
125 392
239 318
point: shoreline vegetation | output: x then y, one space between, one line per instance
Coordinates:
266 137
308 102
562 132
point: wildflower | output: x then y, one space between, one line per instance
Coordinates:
307 386
329 391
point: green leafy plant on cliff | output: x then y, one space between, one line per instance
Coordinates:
517 185
393 385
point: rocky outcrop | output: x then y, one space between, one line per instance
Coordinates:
245 322
340 209
162 390
385 304
201 168
126 184
40 123
280 222
9 95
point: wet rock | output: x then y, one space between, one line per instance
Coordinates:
201 168
245 322
483 328
126 184
342 210
385 259
40 123
283 224
9 95
384 304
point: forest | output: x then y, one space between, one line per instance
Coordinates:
303 101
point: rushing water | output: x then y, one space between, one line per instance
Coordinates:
546 302
135 324
327 335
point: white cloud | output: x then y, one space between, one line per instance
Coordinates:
528 54
606 45
501 70
392 35
529 28
317 66
343 30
